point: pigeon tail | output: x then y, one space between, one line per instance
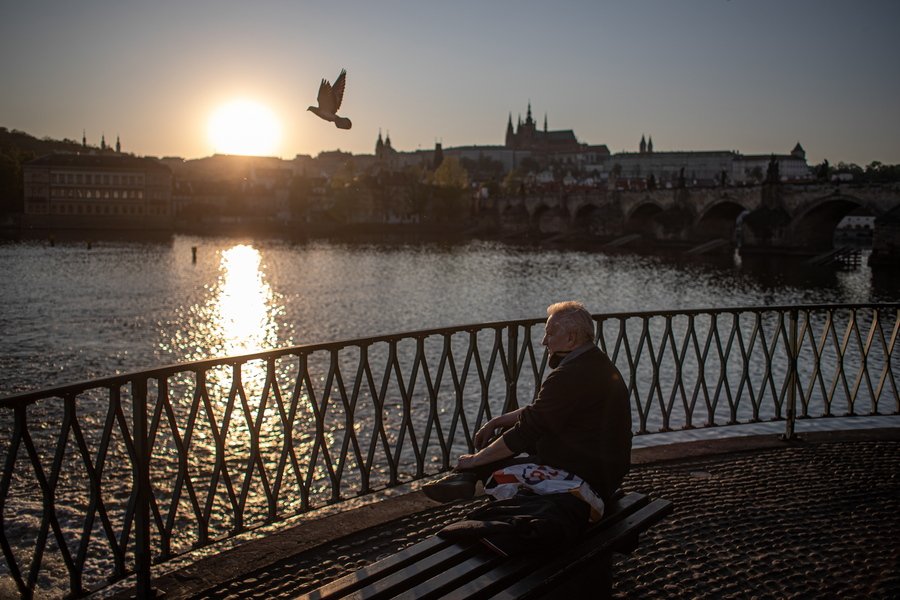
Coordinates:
342 122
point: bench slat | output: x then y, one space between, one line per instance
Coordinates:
401 580
450 579
381 568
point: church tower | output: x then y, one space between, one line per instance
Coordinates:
650 144
379 146
118 146
510 135
643 145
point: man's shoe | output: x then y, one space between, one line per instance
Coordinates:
457 485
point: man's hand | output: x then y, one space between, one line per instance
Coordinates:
484 435
496 451
492 428
467 461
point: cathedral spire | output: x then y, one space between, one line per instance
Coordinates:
643 144
118 145
650 144
545 122
83 139
528 119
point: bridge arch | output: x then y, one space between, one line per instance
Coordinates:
642 219
718 220
550 220
814 227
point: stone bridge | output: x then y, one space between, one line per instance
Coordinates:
765 216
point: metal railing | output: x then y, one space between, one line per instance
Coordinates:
102 479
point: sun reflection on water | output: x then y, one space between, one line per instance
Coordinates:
237 314
243 308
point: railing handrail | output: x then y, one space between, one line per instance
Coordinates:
61 391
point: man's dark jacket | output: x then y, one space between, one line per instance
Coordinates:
580 422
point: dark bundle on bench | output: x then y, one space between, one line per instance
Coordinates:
438 568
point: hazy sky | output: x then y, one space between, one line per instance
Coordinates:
755 76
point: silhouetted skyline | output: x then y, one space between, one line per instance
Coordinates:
756 77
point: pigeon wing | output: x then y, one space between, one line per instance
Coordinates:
326 98
338 90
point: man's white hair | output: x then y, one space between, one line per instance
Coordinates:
573 317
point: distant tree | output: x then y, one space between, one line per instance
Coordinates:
877 172
483 169
852 169
823 171
451 174
513 183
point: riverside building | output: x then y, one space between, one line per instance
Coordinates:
97 190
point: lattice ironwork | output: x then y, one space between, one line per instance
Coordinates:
103 478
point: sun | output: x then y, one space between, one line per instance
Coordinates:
244 127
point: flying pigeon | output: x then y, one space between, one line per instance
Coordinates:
330 101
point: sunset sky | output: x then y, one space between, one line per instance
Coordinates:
755 76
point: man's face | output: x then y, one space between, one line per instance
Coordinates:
556 338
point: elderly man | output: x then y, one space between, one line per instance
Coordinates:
580 421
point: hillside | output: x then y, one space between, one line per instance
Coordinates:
14 142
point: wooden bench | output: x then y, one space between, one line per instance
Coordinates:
439 568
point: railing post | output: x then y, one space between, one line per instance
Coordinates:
142 558
793 348
512 360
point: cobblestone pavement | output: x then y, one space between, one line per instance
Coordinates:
804 521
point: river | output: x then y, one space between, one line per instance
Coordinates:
71 312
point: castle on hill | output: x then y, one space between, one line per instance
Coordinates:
526 144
